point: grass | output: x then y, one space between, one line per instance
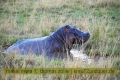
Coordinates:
34 18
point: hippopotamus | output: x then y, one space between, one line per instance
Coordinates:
56 45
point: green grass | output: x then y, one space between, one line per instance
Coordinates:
32 18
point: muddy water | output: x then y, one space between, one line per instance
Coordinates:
96 60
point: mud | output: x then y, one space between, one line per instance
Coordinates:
82 56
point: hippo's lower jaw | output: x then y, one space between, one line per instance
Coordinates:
85 40
81 40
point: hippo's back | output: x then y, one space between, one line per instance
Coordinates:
26 46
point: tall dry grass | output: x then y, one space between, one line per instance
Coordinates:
35 18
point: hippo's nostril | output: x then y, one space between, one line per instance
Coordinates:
87 34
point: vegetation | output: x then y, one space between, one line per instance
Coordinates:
20 19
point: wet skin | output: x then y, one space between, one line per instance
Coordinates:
55 45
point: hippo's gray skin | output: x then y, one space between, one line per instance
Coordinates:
55 45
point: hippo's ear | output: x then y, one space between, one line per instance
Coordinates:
66 28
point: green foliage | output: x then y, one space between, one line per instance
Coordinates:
98 13
6 41
45 32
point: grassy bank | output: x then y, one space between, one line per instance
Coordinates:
20 19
